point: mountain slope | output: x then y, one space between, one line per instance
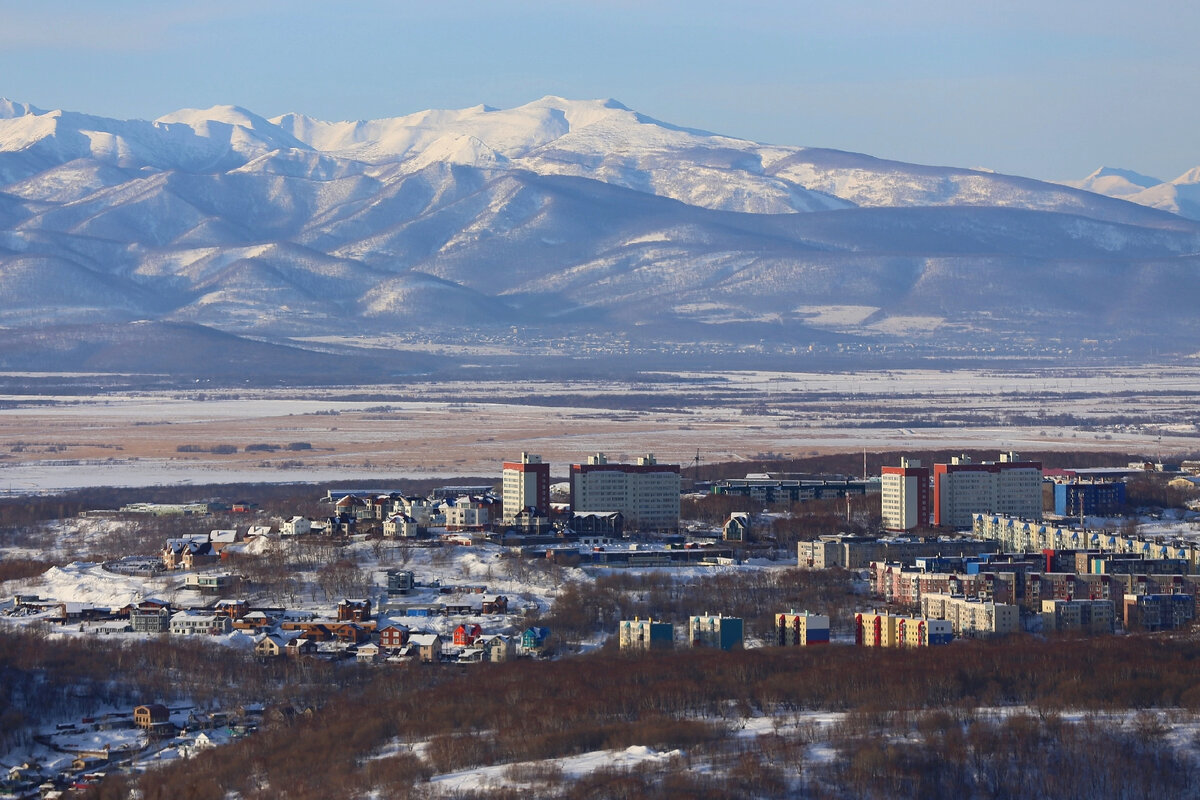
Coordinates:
564 221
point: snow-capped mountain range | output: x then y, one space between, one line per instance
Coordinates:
1180 196
566 219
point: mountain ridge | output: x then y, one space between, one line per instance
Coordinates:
569 221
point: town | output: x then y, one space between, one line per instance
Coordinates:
917 556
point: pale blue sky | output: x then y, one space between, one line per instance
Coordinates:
1049 89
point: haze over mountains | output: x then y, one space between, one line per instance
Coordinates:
571 227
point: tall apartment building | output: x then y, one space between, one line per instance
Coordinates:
972 617
646 634
905 496
715 630
963 488
525 483
646 493
877 629
801 630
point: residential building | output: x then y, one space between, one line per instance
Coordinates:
533 640
1158 612
185 623
151 716
429 646
271 645
296 526
525 484
497 648
709 630
646 634
646 493
737 527
400 582
393 637
1091 616
962 489
801 630
883 629
466 634
150 618
974 618
468 514
357 610
1084 499
210 583
400 526
904 496
768 490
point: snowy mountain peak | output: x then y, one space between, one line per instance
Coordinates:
1190 177
232 115
10 109
1115 182
1145 181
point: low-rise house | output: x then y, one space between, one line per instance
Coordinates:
393 637
185 623
466 634
354 610
367 653
220 539
211 582
471 655
349 633
151 715
498 648
533 640
296 526
234 609
271 645
468 514
737 527
150 618
253 621
400 582
188 553
300 646
401 526
497 606
428 645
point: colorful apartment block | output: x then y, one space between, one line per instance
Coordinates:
801 630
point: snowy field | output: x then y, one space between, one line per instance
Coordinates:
451 429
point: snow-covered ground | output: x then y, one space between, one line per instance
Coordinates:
52 443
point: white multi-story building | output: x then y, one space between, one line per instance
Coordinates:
525 484
904 495
963 488
646 493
